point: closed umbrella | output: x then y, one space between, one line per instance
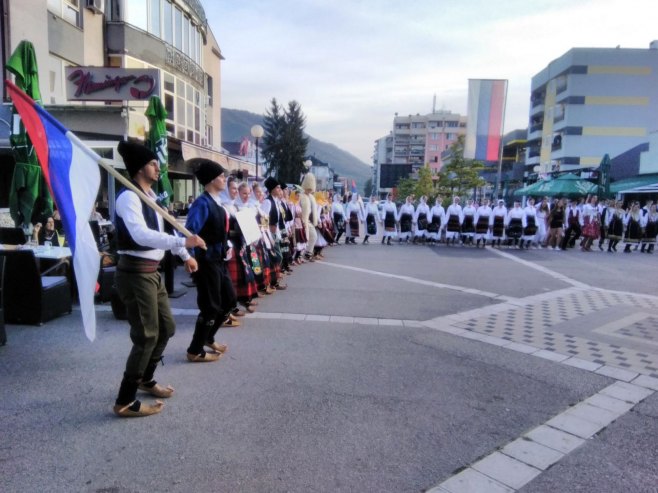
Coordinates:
157 142
568 185
604 177
29 197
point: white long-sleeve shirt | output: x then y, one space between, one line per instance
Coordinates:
129 208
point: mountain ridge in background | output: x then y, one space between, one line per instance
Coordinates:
237 124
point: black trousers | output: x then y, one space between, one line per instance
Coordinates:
215 299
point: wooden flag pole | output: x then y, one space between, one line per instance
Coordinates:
106 164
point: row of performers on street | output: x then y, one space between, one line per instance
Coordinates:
536 226
240 245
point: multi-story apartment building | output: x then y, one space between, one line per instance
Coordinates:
420 139
416 140
168 38
591 102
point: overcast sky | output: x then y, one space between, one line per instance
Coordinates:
352 64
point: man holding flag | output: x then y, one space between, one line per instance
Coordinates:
141 244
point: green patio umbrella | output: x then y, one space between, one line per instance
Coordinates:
29 197
604 177
156 140
568 185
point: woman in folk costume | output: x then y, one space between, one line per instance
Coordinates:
338 215
482 218
542 222
436 220
498 219
421 219
309 213
590 223
633 227
371 213
239 266
321 240
650 226
468 222
264 247
530 230
354 215
389 216
287 238
326 225
454 221
614 223
301 240
405 219
515 223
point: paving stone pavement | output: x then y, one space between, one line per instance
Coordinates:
603 327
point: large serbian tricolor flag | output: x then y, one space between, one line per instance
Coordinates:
484 124
71 171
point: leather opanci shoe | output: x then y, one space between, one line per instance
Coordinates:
217 347
203 358
137 409
157 390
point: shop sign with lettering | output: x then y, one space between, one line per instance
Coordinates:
111 84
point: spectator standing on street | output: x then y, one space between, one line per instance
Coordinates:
141 243
556 225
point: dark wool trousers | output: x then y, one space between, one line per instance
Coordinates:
151 326
215 299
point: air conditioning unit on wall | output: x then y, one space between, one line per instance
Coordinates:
98 6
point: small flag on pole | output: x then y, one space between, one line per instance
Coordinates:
71 171
354 189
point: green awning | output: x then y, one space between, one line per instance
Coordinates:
635 182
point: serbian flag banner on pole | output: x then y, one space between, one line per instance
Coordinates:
71 171
354 189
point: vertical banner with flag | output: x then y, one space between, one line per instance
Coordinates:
72 174
485 118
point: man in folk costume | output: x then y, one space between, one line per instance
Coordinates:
603 212
371 213
215 293
141 244
497 224
614 223
482 218
573 225
421 219
650 227
633 227
338 215
287 247
354 215
531 225
436 220
389 216
590 221
515 223
277 222
468 222
454 221
309 214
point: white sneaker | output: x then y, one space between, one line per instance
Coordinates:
559 248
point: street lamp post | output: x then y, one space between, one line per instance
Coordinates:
257 132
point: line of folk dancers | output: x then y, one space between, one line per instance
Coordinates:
555 224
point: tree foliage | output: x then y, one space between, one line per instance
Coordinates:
284 142
459 176
368 188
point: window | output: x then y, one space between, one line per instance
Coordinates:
69 10
186 36
168 23
136 14
178 28
154 17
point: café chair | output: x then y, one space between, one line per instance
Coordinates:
12 236
33 297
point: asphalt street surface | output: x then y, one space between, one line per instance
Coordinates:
348 382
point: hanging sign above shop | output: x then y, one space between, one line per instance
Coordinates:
111 84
